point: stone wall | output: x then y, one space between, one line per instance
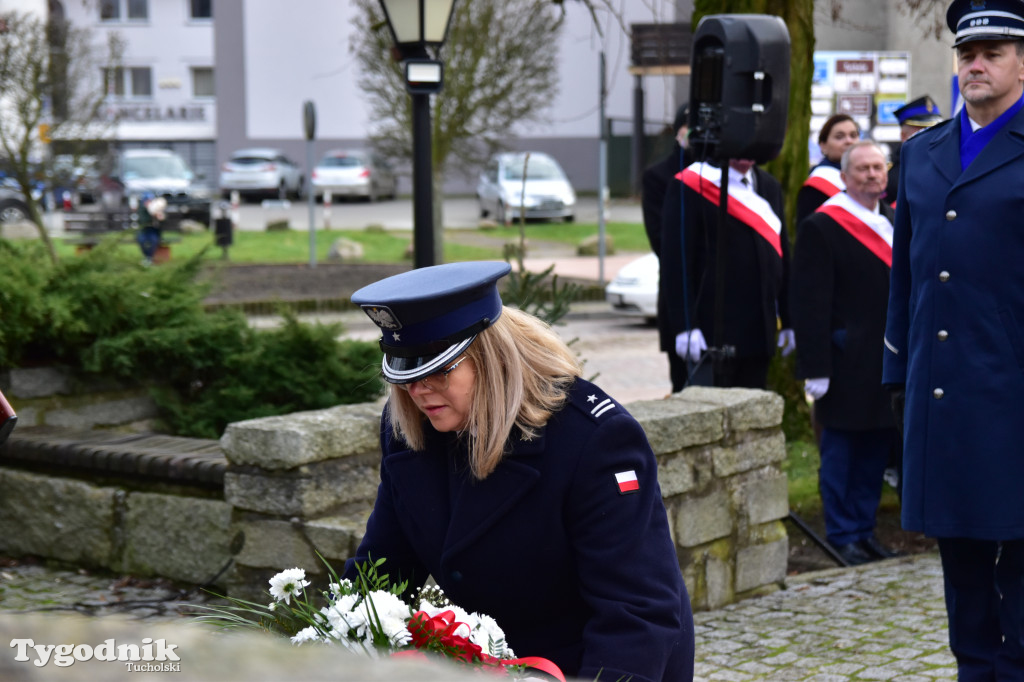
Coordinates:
48 396
304 483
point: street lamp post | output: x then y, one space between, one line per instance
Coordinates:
419 27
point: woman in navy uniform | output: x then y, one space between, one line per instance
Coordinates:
955 340
526 492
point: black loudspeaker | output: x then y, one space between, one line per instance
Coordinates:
739 87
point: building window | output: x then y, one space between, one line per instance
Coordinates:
202 9
202 81
132 10
134 81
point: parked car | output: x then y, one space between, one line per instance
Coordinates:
12 205
261 172
354 174
132 172
548 192
78 175
634 290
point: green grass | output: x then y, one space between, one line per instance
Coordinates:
801 467
380 246
625 236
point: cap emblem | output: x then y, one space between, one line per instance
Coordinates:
382 317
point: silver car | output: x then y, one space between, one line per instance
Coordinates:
261 171
545 194
354 174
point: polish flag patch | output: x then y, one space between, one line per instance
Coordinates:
627 482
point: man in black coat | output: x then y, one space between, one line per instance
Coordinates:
840 291
656 180
756 271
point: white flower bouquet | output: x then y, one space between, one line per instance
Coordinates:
370 617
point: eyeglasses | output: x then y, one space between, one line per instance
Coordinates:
438 381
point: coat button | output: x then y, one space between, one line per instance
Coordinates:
938 393
944 276
943 335
950 215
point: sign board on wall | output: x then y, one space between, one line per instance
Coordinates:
868 86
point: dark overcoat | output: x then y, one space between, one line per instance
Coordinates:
955 333
839 294
658 212
570 568
809 198
756 275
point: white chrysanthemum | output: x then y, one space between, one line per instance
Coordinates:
392 614
345 623
306 635
288 583
489 636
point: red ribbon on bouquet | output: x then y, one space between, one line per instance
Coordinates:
440 630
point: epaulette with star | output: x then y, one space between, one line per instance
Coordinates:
595 402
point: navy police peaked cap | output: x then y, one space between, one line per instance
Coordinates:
921 113
429 316
985 20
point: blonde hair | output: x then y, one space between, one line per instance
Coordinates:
523 374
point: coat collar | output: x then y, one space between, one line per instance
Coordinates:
420 482
944 149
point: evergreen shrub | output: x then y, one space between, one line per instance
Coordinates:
102 313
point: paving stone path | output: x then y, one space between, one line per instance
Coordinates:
883 621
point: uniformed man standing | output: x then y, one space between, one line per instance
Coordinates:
955 340
914 117
839 296
756 272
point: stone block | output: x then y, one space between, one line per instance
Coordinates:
335 537
36 382
766 499
673 423
718 578
749 454
675 475
183 538
102 413
289 441
305 491
703 519
275 544
745 408
56 517
760 565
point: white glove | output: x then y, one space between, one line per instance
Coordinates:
816 387
787 341
690 344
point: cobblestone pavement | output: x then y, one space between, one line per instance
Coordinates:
883 621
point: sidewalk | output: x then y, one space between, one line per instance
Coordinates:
882 621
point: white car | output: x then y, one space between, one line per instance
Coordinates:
354 174
634 290
261 172
547 192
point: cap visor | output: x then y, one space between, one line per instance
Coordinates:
407 370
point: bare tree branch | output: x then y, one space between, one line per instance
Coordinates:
49 74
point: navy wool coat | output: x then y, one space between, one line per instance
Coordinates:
955 333
839 294
571 569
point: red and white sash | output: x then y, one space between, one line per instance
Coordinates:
826 180
745 205
871 229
